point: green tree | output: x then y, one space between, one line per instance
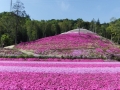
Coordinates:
79 23
93 25
18 12
5 40
32 30
98 26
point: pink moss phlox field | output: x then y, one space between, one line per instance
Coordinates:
35 77
49 81
52 59
63 74
69 44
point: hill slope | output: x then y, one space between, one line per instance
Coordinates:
85 44
81 30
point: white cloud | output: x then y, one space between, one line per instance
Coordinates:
65 6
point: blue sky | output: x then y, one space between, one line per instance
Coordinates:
71 9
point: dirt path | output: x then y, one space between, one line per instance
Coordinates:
37 55
29 53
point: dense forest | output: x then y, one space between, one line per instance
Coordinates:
15 28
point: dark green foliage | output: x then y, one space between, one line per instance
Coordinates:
6 40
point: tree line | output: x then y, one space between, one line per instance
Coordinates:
16 27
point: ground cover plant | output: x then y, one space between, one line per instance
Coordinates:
44 81
52 59
84 45
17 75
69 61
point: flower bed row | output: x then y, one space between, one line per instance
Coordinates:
60 67
50 81
52 59
59 64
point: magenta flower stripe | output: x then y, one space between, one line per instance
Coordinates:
48 81
60 64
60 67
